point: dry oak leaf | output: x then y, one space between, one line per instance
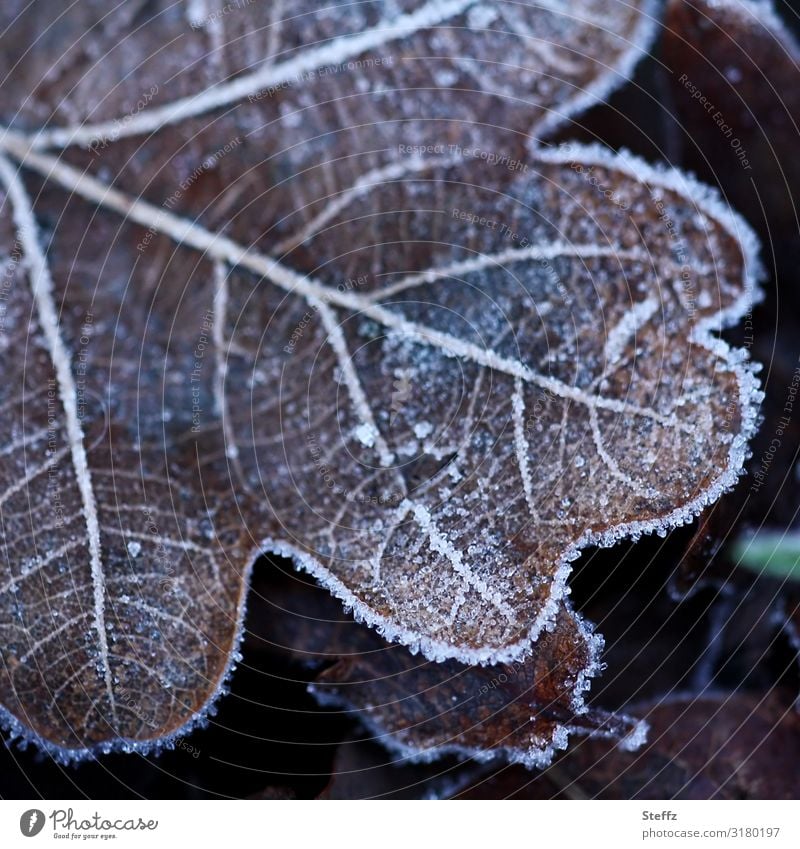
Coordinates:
121 586
121 633
464 371
522 712
257 124
509 386
713 746
518 65
636 426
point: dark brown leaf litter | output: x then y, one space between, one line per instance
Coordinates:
718 746
421 710
734 71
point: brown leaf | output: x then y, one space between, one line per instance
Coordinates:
733 69
533 65
420 710
123 585
520 585
455 377
524 711
720 746
325 116
734 73
484 364
362 770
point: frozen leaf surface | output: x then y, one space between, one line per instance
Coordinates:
280 113
296 63
523 712
429 377
550 355
717 746
415 544
120 590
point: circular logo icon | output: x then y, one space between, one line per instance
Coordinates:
31 822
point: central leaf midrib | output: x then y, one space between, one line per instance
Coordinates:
186 232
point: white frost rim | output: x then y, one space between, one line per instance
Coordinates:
536 756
